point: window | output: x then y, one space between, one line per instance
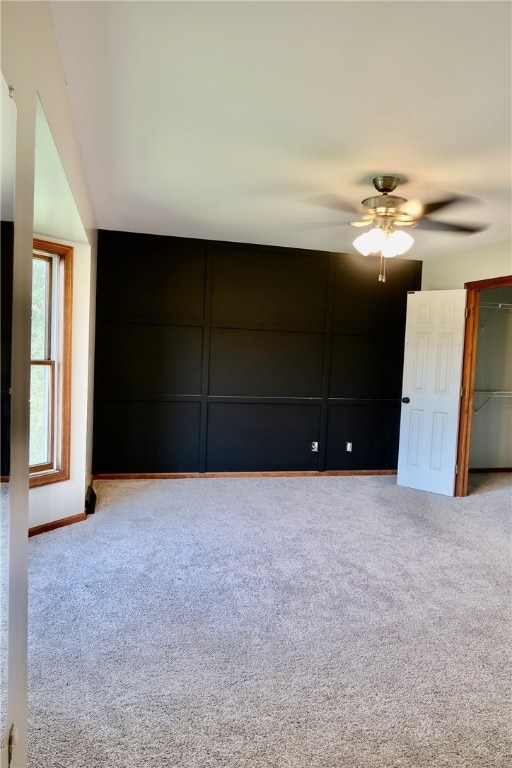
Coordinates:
50 364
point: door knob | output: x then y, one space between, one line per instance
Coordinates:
406 399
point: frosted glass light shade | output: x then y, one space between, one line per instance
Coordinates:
396 244
389 244
370 242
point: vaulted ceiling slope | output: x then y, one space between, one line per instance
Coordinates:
221 120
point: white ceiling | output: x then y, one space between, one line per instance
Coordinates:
219 120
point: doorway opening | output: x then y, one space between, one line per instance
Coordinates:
468 376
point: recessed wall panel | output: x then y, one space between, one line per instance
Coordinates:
372 429
136 358
258 437
271 288
362 304
150 277
265 363
146 436
365 367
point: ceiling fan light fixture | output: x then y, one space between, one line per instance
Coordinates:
387 214
388 243
370 242
396 244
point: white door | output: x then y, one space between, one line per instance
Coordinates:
429 424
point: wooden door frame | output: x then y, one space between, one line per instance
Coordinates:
468 376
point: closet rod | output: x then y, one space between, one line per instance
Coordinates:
489 394
495 306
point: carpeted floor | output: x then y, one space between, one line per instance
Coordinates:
326 622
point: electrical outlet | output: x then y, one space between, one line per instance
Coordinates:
314 447
348 447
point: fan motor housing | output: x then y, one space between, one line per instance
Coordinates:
386 184
386 203
388 210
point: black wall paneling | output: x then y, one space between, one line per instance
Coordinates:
228 357
268 287
246 437
149 353
371 427
168 359
362 304
366 366
256 363
268 319
150 277
205 360
147 436
6 254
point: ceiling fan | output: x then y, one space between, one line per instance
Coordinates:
388 214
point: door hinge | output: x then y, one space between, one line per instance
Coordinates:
467 312
457 469
463 391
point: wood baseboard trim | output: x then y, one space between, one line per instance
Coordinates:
199 475
36 530
4 479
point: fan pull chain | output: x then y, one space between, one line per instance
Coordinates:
382 273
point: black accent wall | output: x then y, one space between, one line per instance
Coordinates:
6 253
218 357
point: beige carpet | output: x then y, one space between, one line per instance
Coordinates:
285 622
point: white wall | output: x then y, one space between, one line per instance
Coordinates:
453 270
30 62
65 499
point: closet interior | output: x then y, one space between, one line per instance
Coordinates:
491 438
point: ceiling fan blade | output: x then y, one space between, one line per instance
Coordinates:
445 226
413 208
361 223
438 205
333 202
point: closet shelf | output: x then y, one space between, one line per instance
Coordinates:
495 306
489 394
